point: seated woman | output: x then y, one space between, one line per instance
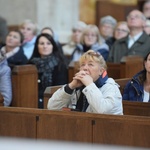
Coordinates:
13 49
138 88
90 90
90 40
50 63
5 81
50 31
121 30
29 30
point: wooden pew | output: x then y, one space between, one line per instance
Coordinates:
25 86
127 68
122 82
136 108
17 122
91 128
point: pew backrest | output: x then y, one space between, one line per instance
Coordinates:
122 83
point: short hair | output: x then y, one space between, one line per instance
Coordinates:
48 28
94 56
79 25
35 28
109 20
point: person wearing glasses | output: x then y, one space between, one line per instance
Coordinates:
90 39
91 90
137 42
121 30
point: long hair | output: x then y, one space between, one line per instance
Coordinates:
56 51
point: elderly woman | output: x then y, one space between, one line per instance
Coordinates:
90 39
13 49
121 30
90 90
29 30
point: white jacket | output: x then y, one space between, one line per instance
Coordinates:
104 100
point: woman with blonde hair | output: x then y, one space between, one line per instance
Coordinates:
29 30
121 30
90 39
90 90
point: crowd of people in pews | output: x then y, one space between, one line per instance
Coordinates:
112 39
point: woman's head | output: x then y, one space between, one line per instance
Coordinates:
93 64
28 29
44 45
121 30
90 35
14 39
77 31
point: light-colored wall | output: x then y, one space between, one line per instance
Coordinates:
58 14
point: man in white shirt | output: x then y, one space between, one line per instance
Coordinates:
136 43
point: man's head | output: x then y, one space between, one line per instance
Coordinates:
136 20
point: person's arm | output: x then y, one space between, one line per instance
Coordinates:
6 85
60 99
106 100
126 92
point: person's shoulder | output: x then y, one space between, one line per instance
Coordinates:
110 80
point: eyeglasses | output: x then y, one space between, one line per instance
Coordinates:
121 30
97 54
134 16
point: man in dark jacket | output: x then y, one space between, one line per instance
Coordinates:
136 43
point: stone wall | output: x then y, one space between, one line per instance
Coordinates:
58 14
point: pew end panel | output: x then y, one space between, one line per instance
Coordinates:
25 86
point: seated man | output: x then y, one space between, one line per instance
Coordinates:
90 90
136 43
